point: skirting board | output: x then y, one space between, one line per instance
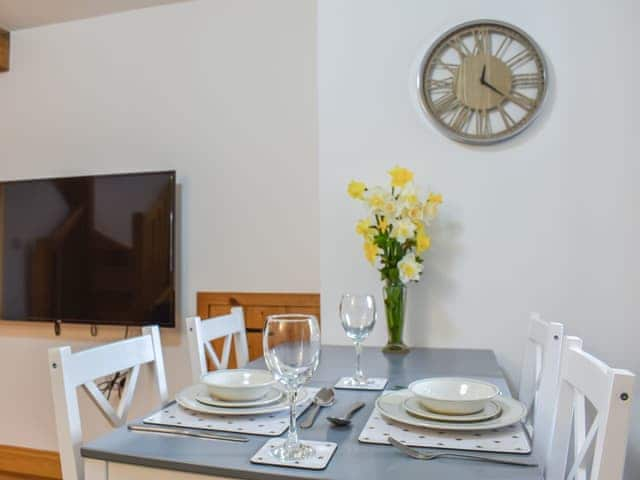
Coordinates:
27 461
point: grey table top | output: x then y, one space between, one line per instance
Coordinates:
352 459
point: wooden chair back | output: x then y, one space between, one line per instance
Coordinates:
584 377
200 334
71 370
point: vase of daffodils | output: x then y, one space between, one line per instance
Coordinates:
395 237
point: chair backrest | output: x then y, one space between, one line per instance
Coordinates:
584 377
200 333
539 380
71 370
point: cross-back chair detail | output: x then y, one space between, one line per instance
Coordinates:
71 370
584 377
200 334
539 380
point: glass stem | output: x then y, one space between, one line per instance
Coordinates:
359 376
292 438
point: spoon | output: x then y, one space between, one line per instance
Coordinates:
324 398
346 418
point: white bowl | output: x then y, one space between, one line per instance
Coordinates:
238 385
453 396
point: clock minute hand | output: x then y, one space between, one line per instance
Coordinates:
487 84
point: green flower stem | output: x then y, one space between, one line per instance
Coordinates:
394 303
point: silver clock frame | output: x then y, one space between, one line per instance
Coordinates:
480 141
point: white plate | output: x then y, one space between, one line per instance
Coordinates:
272 396
187 399
414 407
390 406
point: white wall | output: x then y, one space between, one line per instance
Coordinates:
544 222
224 92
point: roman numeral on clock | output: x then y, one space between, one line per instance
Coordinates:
439 85
445 104
519 59
526 80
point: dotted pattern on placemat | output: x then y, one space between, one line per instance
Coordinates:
511 439
272 424
323 453
376 383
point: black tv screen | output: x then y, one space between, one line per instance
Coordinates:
95 250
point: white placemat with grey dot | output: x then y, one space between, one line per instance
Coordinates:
323 453
511 439
272 424
376 383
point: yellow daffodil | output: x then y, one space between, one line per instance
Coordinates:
370 251
403 229
356 189
400 176
363 227
409 268
435 198
423 241
383 224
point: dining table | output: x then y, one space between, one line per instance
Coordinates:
123 454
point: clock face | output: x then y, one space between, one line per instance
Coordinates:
483 82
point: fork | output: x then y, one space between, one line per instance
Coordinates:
465 456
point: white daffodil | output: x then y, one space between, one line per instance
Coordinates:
390 208
409 196
409 268
376 197
403 229
431 207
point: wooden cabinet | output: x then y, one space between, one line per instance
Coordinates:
5 46
257 306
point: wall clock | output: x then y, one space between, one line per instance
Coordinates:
483 82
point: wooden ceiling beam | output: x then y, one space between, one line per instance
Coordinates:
5 43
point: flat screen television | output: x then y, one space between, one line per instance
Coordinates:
96 250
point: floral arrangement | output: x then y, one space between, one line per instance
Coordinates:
395 234
395 229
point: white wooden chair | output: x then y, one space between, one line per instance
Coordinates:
200 333
584 377
71 370
539 380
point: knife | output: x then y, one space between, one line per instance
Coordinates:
187 433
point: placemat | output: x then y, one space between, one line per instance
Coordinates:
324 452
511 439
272 424
376 383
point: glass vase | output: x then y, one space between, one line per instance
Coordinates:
395 301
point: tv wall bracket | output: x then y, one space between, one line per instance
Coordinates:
57 328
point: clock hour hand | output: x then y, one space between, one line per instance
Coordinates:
487 84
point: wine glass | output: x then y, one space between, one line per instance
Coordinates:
291 345
358 316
